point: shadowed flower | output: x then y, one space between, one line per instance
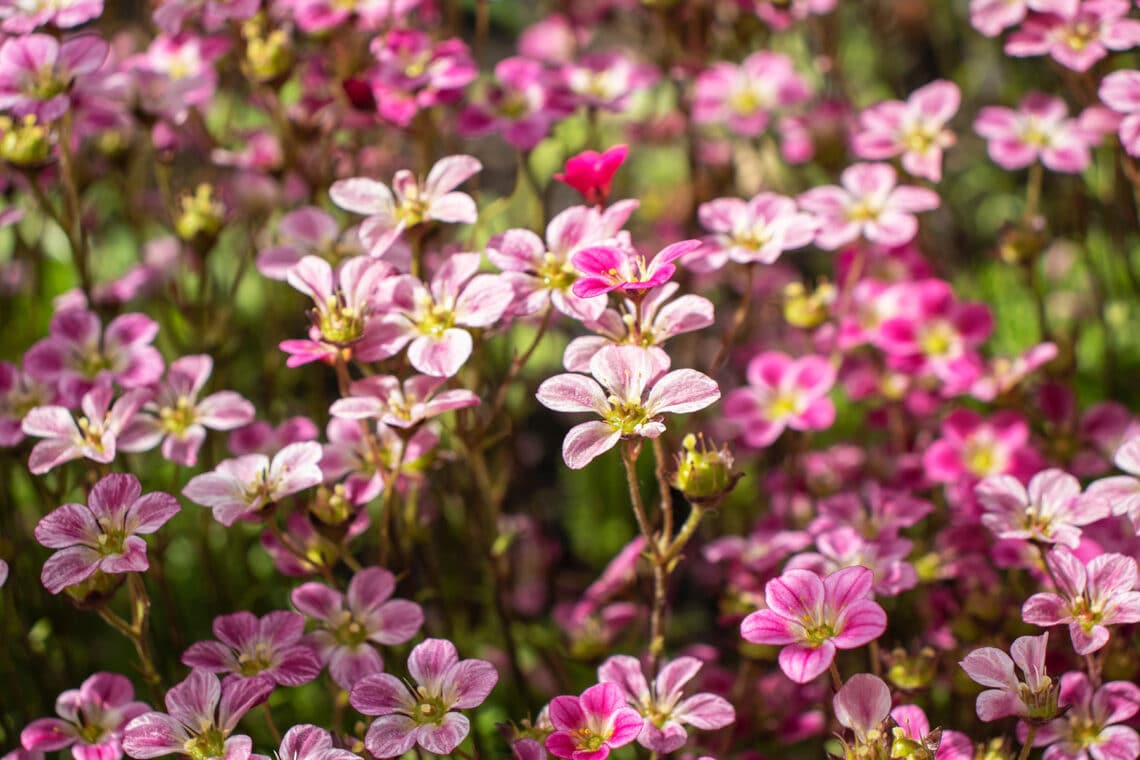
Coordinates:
93 436
248 647
309 742
1090 728
91 720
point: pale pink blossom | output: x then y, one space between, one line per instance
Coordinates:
782 392
1123 491
1076 36
1039 130
1120 91
91 720
1051 510
1034 697
1091 728
398 405
758 230
914 129
743 97
93 435
239 489
614 267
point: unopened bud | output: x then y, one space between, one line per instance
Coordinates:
704 473
202 216
911 672
807 310
25 143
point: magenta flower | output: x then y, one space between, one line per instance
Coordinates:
862 704
346 314
172 15
19 394
611 267
1093 596
104 535
178 419
249 647
1077 36
424 713
782 392
79 354
91 720
1035 697
743 97
351 622
665 712
1039 130
914 129
521 104
758 230
1120 91
869 204
630 390
309 742
1052 510
973 447
383 398
541 272
201 715
238 489
1090 728
884 556
307 231
990 17
430 321
92 436
1123 491
22 16
812 617
589 726
38 72
262 438
413 73
592 173
607 80
316 16
413 202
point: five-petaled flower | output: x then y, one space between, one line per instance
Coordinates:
91 722
248 647
589 726
1034 698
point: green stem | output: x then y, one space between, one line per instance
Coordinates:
1028 745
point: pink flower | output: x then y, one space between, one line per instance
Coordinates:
812 617
21 16
413 73
915 129
93 436
781 14
1077 36
990 17
367 463
869 204
743 97
1120 91
520 104
752 231
1052 510
176 73
178 419
414 202
307 231
973 447
19 394
609 267
309 742
1090 728
351 622
884 556
238 489
262 438
427 712
430 321
102 536
662 706
912 723
607 80
1035 697
319 552
541 273
862 704
1123 491
381 397
589 726
592 173
1094 595
630 390
316 16
79 354
782 392
172 15
248 647
1039 130
200 717
38 73
91 720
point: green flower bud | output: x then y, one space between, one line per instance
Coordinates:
704 473
202 215
24 144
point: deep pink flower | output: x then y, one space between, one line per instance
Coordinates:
426 712
262 438
309 742
990 17
612 267
19 394
382 397
1093 595
413 73
607 80
22 16
870 204
884 556
352 622
104 535
1052 510
238 489
172 15
431 320
592 173
1090 728
862 704
666 713
1120 91
176 73
630 390
1035 697
316 16
413 202
743 97
1039 130
248 647
306 231
201 715
758 230
589 726
1123 491
38 72
541 272
973 447
91 720
79 353
812 617
914 129
93 436
520 104
1077 38
782 392
178 419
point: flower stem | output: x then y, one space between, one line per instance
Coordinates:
836 679
1027 747
738 318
